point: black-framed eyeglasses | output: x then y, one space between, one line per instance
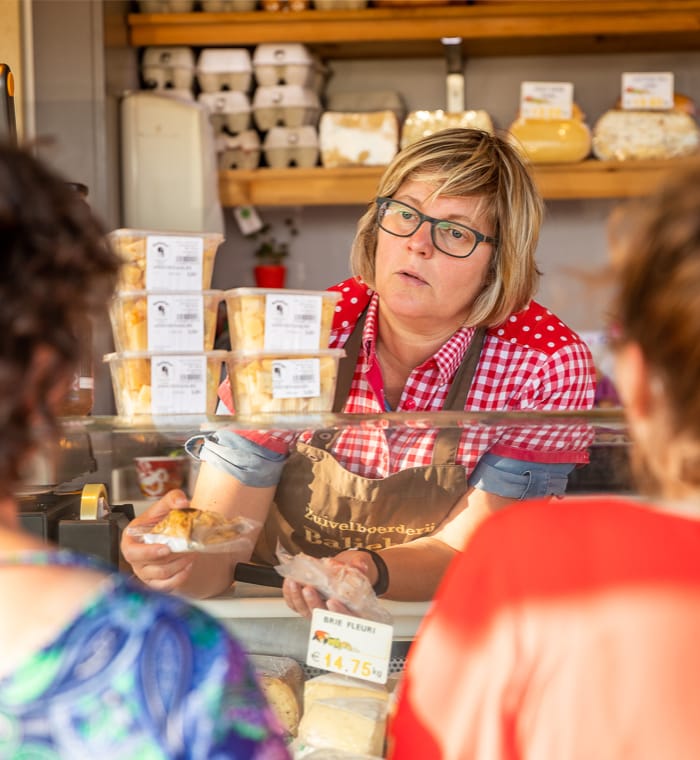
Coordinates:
451 238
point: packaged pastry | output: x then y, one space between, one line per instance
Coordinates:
296 382
279 320
623 134
282 682
145 320
552 141
419 124
147 382
157 260
196 530
358 139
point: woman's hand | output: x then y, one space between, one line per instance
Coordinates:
155 564
305 599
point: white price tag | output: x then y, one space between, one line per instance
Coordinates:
296 378
647 91
349 645
175 322
292 322
546 100
178 384
174 262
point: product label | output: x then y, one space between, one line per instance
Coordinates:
178 384
175 322
174 263
647 91
296 378
292 322
349 645
546 100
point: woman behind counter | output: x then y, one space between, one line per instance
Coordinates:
92 665
571 630
439 315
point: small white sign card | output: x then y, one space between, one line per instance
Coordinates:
647 91
546 100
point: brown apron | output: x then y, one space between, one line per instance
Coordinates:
322 508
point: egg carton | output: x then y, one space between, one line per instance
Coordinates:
228 110
168 68
288 63
286 146
238 151
287 105
224 69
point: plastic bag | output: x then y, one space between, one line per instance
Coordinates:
334 580
196 530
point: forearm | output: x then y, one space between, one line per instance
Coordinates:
416 568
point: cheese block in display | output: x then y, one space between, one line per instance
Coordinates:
622 135
553 141
419 124
358 139
335 685
348 725
281 679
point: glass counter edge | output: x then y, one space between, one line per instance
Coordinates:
612 418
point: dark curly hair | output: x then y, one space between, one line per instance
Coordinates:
57 271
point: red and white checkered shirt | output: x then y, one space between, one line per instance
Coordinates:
531 362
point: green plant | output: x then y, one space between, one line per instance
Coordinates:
271 248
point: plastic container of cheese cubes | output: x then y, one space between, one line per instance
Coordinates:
165 383
157 260
145 320
269 319
295 382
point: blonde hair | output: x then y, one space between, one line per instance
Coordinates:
655 250
471 163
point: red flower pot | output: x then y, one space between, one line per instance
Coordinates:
270 275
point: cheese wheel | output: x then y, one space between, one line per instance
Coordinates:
622 135
420 124
552 141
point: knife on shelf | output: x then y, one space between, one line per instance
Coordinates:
261 575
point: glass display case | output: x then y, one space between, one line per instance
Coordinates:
101 450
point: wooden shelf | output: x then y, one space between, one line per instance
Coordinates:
492 29
358 185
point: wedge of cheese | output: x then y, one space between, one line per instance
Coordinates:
337 686
345 724
358 139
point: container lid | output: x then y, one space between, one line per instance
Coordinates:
216 60
292 137
119 355
235 292
274 54
225 101
167 293
137 233
179 57
333 353
285 95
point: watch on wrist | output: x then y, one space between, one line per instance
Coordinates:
382 584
